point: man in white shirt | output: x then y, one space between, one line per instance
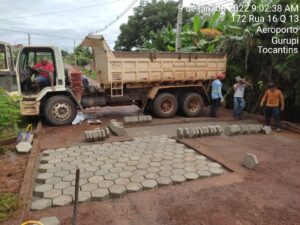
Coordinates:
238 97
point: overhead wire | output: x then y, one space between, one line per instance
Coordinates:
117 18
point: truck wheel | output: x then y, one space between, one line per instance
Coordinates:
165 105
191 104
60 110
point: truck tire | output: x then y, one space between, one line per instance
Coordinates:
165 105
191 104
60 110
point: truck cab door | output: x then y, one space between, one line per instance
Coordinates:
7 68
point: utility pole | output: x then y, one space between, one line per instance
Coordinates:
29 41
179 25
75 57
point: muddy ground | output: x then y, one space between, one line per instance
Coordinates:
269 195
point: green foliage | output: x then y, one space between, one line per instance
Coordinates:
152 17
9 114
9 203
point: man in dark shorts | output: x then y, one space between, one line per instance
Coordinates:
45 74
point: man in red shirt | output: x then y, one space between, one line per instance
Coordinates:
45 74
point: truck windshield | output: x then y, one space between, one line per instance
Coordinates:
3 63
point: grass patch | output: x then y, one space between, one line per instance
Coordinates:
9 203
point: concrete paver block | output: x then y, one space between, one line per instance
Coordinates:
95 179
149 184
232 130
40 189
50 221
42 177
89 187
84 196
180 133
41 204
134 187
53 180
126 174
100 194
215 171
213 165
116 128
117 190
69 178
62 173
122 181
137 178
267 129
163 181
178 179
250 161
62 200
105 184
82 181
52 193
111 176
101 172
62 185
191 176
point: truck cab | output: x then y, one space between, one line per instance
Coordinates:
7 68
57 105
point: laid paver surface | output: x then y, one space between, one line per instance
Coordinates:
113 169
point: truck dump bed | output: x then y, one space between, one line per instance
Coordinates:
152 67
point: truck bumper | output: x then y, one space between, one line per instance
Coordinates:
30 108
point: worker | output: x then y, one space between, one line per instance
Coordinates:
274 103
216 94
238 97
45 71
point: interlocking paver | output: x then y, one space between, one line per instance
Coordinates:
89 187
134 187
41 204
84 196
96 179
112 169
149 184
177 178
70 177
81 182
117 190
105 184
163 181
52 193
100 194
127 174
40 189
62 200
122 180
53 180
62 185
191 176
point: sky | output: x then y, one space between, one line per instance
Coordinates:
71 20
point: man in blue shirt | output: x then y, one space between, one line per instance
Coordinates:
216 94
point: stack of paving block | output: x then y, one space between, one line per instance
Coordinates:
137 119
116 127
243 129
99 134
199 131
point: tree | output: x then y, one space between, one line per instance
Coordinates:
146 19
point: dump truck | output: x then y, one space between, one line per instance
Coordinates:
160 82
7 71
